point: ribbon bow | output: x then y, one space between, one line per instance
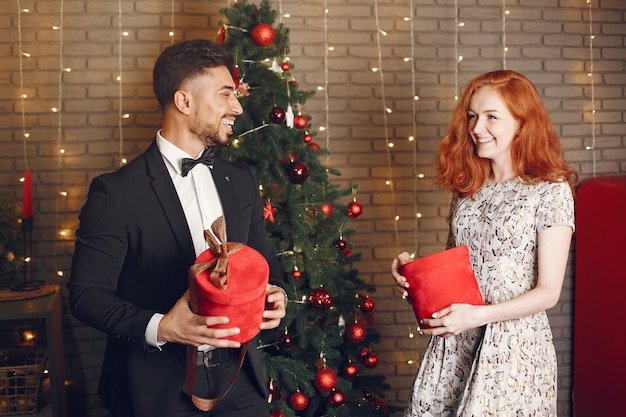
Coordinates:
206 158
222 250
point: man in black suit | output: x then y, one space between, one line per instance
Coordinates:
140 231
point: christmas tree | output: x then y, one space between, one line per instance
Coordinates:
319 361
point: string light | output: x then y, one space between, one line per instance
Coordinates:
592 148
120 83
171 32
327 49
459 58
23 95
505 12
61 194
386 111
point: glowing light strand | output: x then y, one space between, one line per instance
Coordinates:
593 92
326 98
504 47
408 310
59 110
21 55
386 111
171 33
414 128
120 82
457 57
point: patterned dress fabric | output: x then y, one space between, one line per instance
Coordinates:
505 368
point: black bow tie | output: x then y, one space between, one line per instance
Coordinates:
206 158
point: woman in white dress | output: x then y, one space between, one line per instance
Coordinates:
513 208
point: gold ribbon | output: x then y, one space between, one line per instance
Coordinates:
222 250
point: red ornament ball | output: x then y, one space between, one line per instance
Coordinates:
307 137
368 305
277 115
297 172
285 66
325 380
277 413
314 146
321 299
263 34
355 209
347 252
327 209
300 122
291 157
341 245
364 352
285 341
296 274
370 360
356 333
298 401
336 398
379 405
350 371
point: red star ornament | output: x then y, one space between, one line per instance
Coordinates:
269 211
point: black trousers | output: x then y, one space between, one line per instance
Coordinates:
244 399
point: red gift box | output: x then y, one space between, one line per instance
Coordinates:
439 280
230 279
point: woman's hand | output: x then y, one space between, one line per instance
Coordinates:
401 283
453 320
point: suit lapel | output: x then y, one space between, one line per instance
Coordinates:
170 203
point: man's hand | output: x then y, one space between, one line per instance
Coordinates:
274 307
181 325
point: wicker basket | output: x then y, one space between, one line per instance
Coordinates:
21 372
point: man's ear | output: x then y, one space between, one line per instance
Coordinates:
182 101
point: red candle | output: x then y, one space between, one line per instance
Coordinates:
27 203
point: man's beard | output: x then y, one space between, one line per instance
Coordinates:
209 134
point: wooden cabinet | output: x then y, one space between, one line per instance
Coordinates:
47 308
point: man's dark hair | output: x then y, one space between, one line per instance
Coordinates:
182 62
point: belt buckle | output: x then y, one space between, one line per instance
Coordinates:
206 357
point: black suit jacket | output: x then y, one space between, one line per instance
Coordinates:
133 250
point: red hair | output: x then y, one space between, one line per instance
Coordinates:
535 151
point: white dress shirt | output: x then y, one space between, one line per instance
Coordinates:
201 204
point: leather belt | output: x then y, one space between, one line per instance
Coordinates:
216 357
